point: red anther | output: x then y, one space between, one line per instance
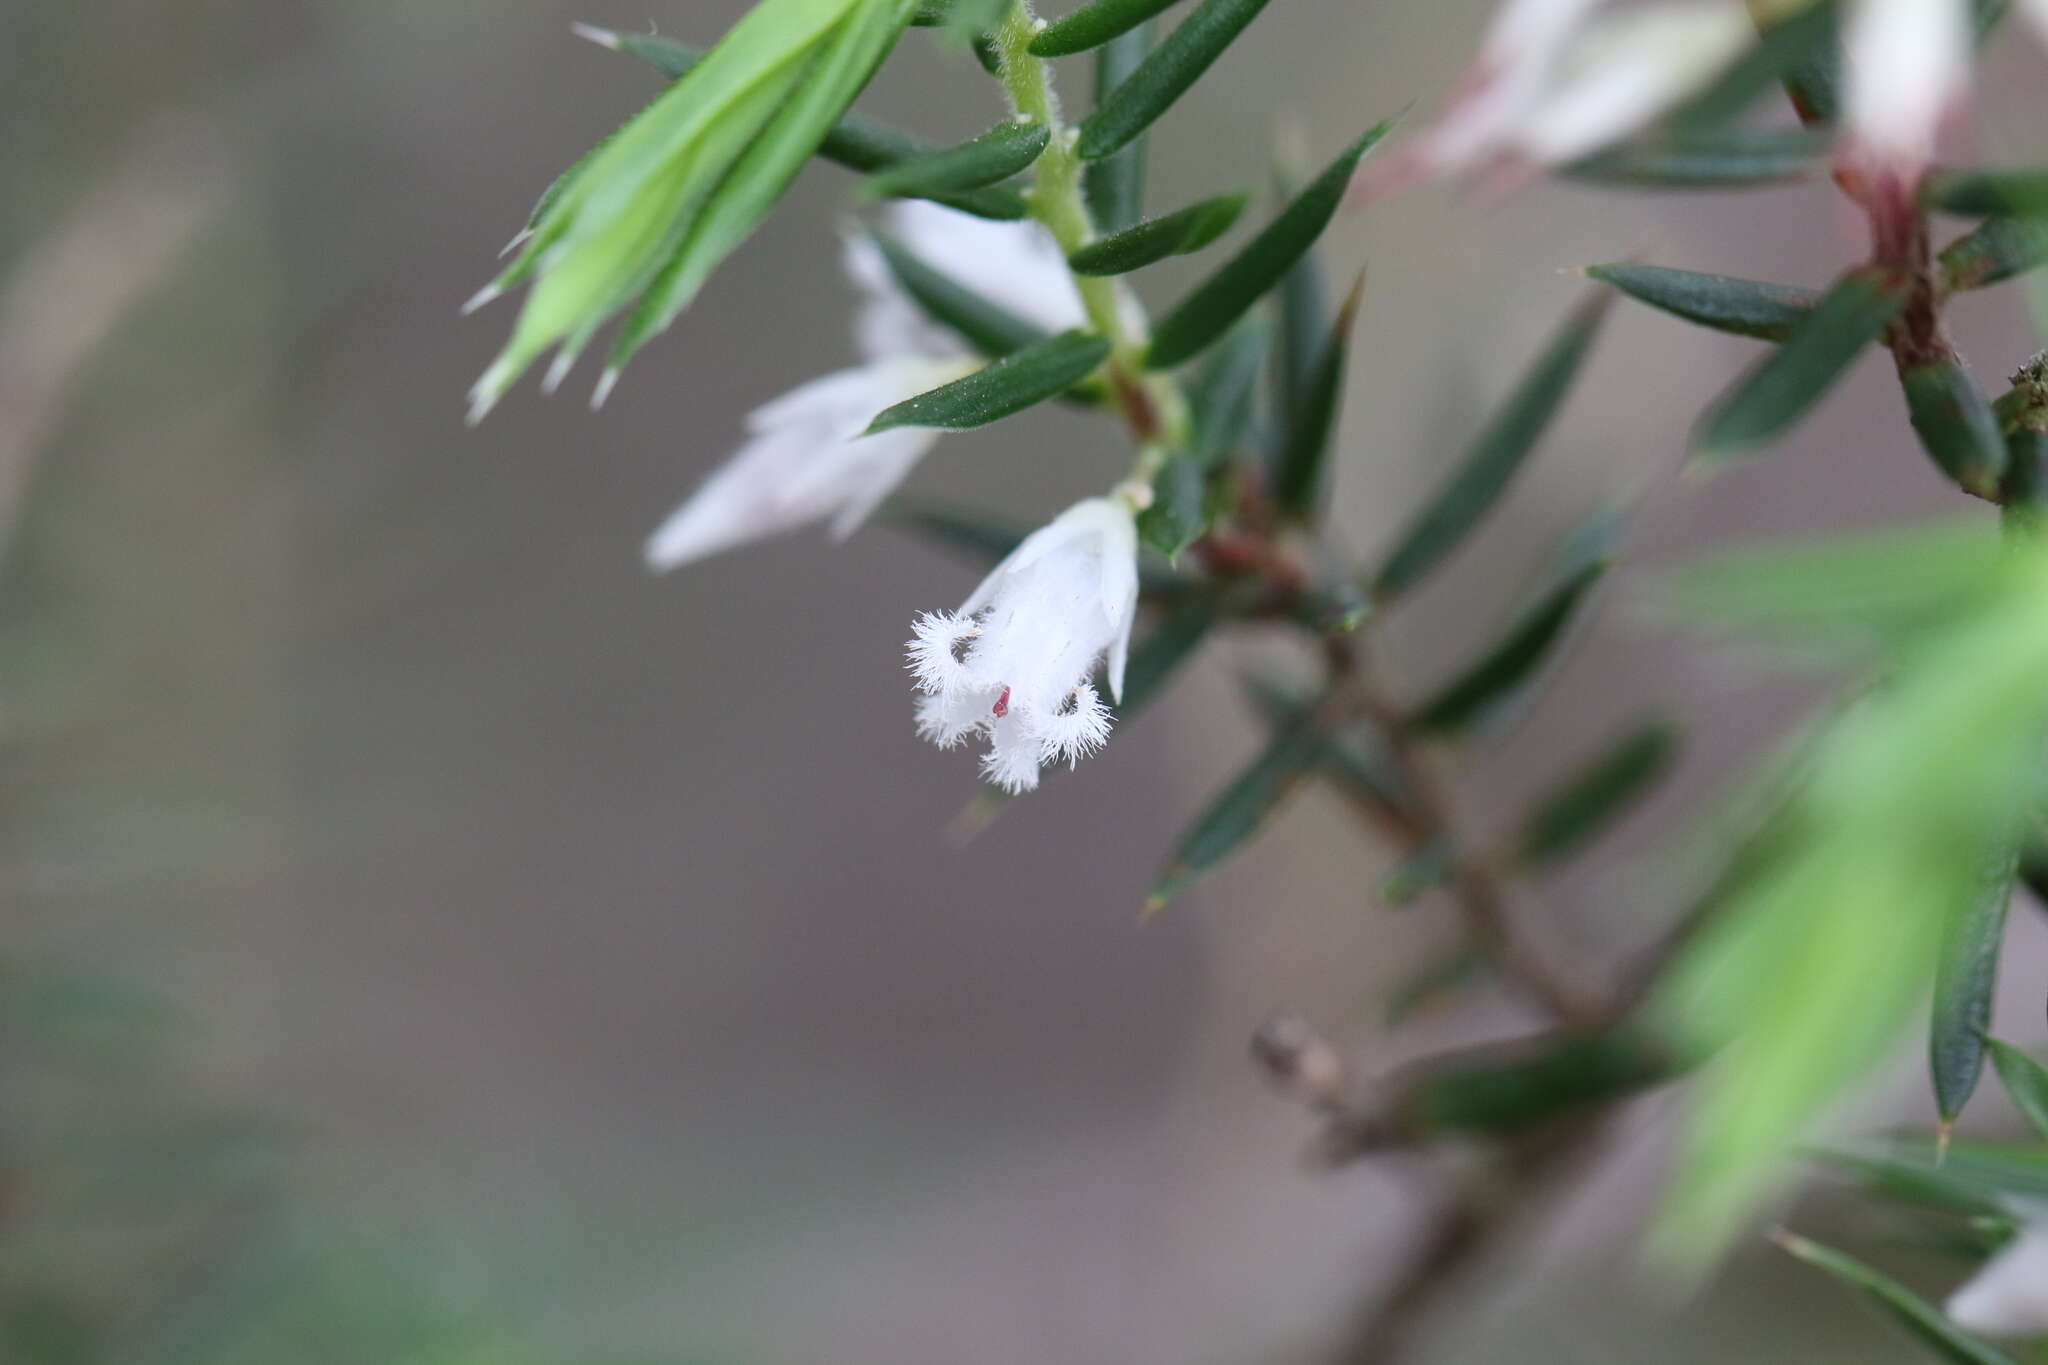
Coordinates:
1002 707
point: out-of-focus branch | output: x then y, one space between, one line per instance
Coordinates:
62 300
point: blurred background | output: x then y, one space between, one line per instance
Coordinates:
430 937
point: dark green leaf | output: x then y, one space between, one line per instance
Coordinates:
1165 75
2022 191
1174 234
931 13
1798 48
1494 458
1748 308
1355 760
1532 1084
1240 809
1964 980
988 327
1955 424
1208 312
1114 185
1094 24
1160 654
1780 389
1997 249
996 155
1999 1170
1300 476
1598 794
1179 512
1499 673
1221 395
2025 1081
1015 382
1708 158
857 143
1304 324
1909 1310
1913 1182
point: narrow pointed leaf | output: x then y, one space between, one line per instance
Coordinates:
2025 1081
1714 159
1599 794
1996 249
1300 476
1174 234
986 326
1912 1182
1304 322
1221 395
1179 511
1165 75
1780 389
1965 978
1353 759
855 142
1798 48
1017 381
1749 308
1094 24
1240 810
1494 458
997 154
1531 1084
1496 675
1955 425
1919 1317
1114 185
1208 312
2022 192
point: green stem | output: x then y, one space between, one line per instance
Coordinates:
1150 402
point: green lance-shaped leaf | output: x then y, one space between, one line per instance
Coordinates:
1300 474
1304 310
1780 389
762 172
2025 1081
1749 308
1913 1182
1996 249
1114 185
1174 234
1207 313
1707 159
689 173
1795 51
997 154
1094 24
1922 1319
1017 381
1966 975
986 326
1240 810
1352 758
2022 192
1533 1085
1221 395
1493 459
1955 424
1163 652
1165 75
1597 795
855 142
1498 674
1179 511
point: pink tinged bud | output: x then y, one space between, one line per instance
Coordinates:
1908 66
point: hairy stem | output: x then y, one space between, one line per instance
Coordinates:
1151 403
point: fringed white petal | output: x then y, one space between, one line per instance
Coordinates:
1071 733
1013 756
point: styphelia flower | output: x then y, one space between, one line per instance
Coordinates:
1014 664
1555 81
1908 64
805 459
2009 1296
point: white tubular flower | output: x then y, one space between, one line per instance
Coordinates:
1908 67
805 459
1555 81
1014 663
2009 1296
